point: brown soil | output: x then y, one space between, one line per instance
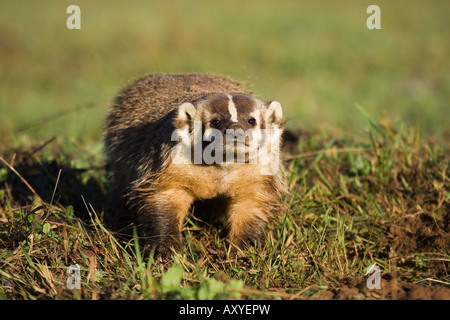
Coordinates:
356 289
420 233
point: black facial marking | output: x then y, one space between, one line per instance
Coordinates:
245 105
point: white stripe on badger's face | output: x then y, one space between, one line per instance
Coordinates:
232 109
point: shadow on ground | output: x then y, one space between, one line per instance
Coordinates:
56 182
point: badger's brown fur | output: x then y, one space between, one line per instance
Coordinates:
146 185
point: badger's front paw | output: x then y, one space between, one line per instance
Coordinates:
247 240
162 249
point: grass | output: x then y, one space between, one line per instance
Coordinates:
317 58
368 171
348 208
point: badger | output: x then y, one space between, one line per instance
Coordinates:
182 143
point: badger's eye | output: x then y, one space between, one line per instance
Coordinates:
252 121
215 122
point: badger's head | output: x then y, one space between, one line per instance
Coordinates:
229 128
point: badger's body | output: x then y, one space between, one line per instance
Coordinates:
157 114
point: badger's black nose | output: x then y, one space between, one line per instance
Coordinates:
235 126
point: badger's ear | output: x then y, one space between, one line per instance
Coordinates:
274 113
185 113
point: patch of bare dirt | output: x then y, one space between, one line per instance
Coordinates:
420 233
356 288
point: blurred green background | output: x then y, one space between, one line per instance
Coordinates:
317 58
